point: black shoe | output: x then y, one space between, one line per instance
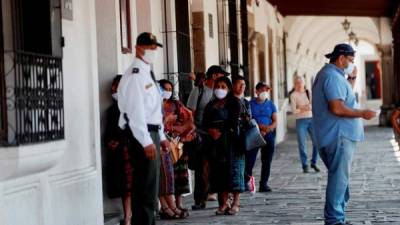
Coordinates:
315 168
265 189
346 223
305 169
199 206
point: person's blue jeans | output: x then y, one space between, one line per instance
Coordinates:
337 158
304 127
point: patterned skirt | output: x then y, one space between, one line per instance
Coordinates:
167 183
181 171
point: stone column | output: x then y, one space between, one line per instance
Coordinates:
396 59
387 84
391 73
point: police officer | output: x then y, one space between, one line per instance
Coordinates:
140 103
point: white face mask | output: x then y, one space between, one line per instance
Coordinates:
166 94
149 56
115 96
263 96
220 93
349 69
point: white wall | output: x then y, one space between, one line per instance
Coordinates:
60 182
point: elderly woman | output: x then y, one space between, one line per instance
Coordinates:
226 156
174 180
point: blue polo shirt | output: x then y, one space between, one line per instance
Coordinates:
262 112
331 84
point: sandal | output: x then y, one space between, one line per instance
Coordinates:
233 211
182 208
222 211
168 214
182 214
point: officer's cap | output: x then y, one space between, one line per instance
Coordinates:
147 38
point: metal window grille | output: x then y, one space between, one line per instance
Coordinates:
32 108
210 25
35 103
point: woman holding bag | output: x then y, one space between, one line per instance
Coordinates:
226 156
179 127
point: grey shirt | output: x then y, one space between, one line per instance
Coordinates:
205 99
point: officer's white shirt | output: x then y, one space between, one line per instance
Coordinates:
139 97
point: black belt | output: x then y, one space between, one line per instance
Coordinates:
153 128
150 127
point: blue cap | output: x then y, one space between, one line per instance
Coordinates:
341 49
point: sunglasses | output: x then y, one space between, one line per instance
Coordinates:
351 78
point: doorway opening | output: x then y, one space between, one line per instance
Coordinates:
373 80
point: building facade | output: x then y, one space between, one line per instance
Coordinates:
60 57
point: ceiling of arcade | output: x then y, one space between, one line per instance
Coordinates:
369 8
317 34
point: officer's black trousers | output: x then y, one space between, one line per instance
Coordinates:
146 175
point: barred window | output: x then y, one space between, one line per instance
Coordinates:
31 81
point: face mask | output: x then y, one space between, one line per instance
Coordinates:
115 96
149 56
167 94
349 69
263 96
220 93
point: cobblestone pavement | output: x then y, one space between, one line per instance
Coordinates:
298 199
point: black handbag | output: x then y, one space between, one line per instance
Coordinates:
252 136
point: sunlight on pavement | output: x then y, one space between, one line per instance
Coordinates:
396 149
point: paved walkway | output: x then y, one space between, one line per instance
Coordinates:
298 198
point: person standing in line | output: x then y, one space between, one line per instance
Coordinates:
238 89
338 128
301 106
223 147
118 157
178 125
264 112
140 103
198 99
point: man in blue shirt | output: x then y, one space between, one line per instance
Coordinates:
264 111
338 127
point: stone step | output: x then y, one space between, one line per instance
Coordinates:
112 219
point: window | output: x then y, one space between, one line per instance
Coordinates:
3 115
125 23
233 38
184 49
280 49
210 25
32 108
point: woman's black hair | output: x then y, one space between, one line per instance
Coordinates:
238 78
200 77
116 79
163 82
225 80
